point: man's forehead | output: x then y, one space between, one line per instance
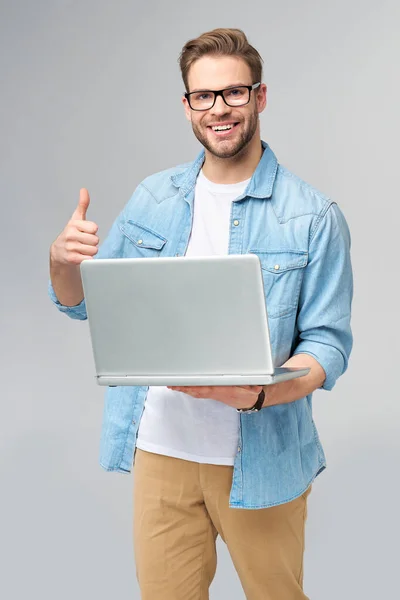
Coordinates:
217 72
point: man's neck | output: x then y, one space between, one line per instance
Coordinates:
235 169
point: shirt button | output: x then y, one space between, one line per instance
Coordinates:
276 267
239 449
140 241
236 222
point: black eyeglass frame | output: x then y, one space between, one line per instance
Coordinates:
221 93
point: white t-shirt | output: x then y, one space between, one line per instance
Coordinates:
174 423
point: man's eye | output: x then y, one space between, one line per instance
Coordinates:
203 96
236 92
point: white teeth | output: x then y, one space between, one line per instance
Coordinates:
222 127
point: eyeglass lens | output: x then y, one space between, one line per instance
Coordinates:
233 97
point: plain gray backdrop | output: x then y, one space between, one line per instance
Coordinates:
91 97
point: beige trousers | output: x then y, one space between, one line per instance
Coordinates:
180 507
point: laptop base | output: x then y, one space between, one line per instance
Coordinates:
279 375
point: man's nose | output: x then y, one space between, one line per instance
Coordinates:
220 108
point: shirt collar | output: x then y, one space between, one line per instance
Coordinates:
260 185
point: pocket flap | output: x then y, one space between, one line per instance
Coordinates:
279 261
141 236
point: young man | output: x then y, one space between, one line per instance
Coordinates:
201 467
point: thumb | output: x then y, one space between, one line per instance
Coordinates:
83 205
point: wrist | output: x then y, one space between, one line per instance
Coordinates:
256 406
271 394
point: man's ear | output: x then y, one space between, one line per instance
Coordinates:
262 97
188 112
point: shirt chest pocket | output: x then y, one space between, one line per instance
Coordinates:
282 272
140 241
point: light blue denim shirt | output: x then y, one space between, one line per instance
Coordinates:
303 243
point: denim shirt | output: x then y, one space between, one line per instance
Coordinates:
303 243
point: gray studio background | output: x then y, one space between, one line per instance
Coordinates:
90 97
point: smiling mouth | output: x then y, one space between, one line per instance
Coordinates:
222 130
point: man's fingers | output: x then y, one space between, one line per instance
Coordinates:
78 248
253 388
83 205
77 259
86 238
86 226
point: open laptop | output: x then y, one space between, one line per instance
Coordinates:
180 321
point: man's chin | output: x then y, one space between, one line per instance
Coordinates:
220 148
227 154
224 149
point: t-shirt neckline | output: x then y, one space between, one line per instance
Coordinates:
221 188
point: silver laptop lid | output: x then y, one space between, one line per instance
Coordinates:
177 316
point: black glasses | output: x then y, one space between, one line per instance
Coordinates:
232 96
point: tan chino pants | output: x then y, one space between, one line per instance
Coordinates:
180 507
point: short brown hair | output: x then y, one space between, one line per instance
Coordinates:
220 42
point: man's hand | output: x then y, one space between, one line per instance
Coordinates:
78 241
233 395
278 393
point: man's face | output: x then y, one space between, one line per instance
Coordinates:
216 73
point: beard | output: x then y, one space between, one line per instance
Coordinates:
229 148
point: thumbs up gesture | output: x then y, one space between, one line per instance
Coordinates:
78 241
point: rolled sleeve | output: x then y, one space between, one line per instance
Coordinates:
75 312
324 315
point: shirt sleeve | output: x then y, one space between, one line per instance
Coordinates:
110 248
75 312
323 320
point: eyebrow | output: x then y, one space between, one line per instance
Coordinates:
229 86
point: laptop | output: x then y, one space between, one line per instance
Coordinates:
180 321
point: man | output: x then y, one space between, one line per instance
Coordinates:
201 467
